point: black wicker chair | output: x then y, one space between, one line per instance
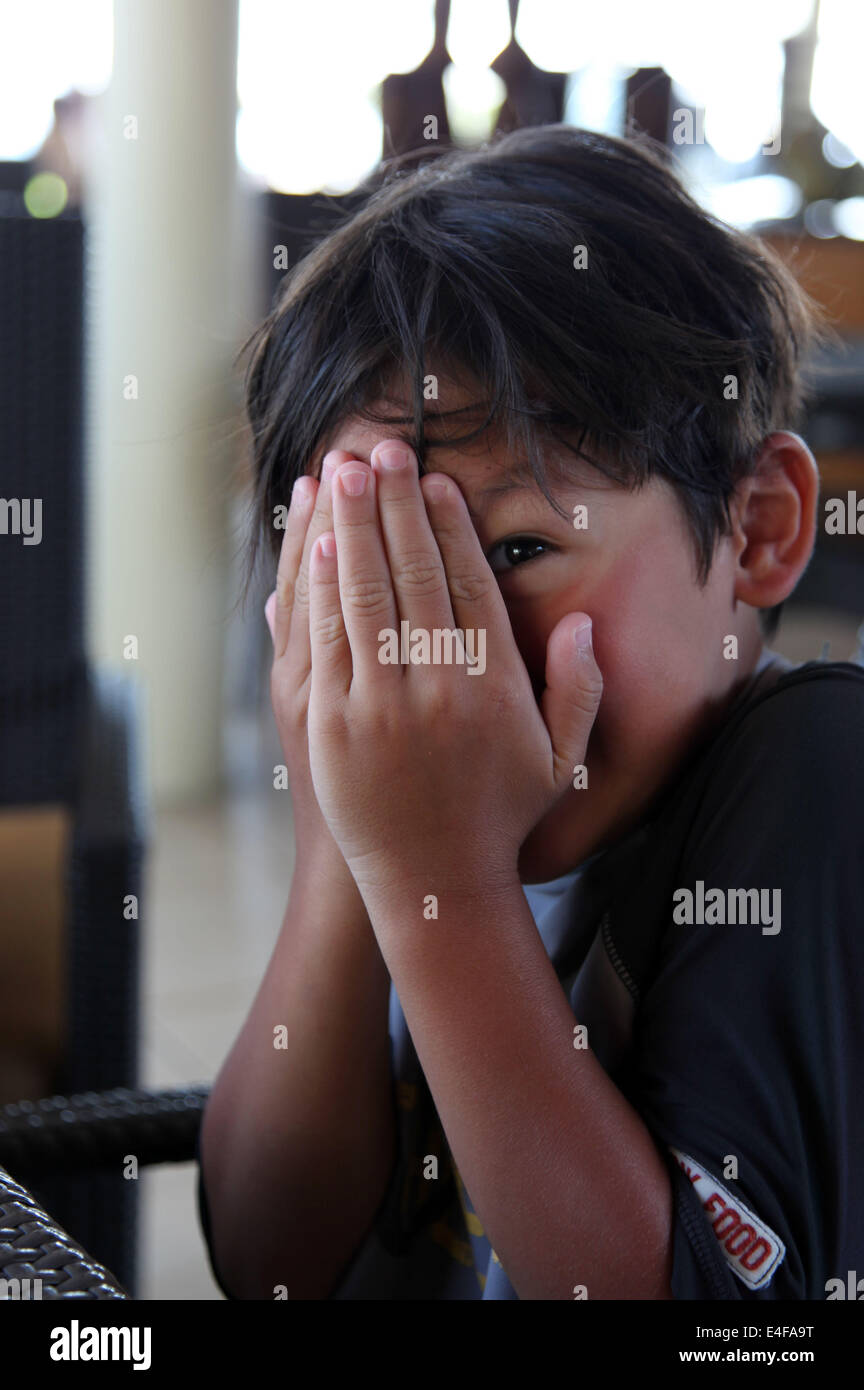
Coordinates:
38 1259
60 1137
68 732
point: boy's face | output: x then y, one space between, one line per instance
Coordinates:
658 635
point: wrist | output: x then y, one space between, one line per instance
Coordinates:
320 869
463 879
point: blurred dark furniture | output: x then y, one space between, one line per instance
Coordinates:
67 732
81 1135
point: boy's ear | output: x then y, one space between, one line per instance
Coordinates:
774 520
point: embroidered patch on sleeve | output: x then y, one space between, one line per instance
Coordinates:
751 1249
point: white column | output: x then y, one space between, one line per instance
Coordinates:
163 404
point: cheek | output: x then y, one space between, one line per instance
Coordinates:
534 619
642 640
652 642
626 639
650 633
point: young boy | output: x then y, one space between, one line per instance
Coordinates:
567 999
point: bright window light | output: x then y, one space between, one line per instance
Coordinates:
307 76
595 97
473 96
835 90
849 218
837 153
725 59
48 47
744 202
554 35
477 32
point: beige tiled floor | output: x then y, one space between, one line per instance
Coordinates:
218 879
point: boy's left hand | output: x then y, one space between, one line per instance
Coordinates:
421 768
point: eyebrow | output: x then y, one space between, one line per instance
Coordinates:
502 489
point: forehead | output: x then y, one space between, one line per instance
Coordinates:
459 407
359 436
485 468
458 410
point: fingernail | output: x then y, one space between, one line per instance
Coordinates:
327 545
392 456
436 488
582 636
329 465
354 481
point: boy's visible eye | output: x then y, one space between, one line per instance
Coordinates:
505 555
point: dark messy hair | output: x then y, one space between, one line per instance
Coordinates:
673 351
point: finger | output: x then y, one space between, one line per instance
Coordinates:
365 581
320 521
290 554
475 595
330 650
574 688
419 579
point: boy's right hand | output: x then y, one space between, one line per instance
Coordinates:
287 613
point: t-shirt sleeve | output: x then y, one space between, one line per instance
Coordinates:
749 1040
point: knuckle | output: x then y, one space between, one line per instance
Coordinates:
354 519
372 595
592 684
585 707
503 700
441 708
328 719
587 697
285 593
322 514
452 527
403 501
289 703
328 629
301 588
420 574
469 588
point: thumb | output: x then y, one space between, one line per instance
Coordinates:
574 687
270 615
